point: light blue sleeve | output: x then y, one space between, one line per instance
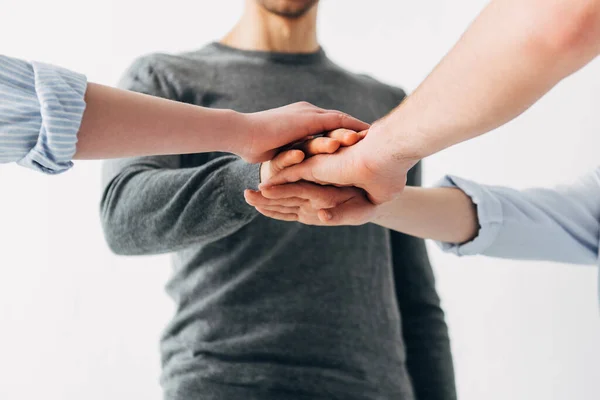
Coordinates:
41 108
561 224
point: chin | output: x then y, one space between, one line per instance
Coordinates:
288 8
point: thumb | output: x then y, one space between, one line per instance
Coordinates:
286 159
294 173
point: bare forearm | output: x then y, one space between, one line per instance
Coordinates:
119 123
513 53
443 214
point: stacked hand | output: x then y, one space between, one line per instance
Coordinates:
313 204
270 130
337 183
371 165
322 145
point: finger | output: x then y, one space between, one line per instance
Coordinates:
286 159
346 137
320 145
282 209
257 199
319 196
335 119
277 215
292 174
291 190
356 211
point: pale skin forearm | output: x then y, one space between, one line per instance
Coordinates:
442 214
119 123
513 53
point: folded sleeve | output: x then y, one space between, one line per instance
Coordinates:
560 224
40 114
489 214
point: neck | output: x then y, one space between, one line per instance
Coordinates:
261 30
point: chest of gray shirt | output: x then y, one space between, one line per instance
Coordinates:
263 303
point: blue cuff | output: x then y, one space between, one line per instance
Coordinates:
60 93
489 214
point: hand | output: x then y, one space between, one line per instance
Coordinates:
313 204
323 145
372 165
269 130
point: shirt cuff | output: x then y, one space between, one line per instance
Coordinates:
489 215
60 93
242 175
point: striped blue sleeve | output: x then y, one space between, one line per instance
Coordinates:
41 109
560 224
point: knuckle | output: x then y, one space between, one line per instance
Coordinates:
343 117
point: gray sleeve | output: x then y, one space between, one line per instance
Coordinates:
151 205
424 329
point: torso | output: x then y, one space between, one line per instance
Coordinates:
282 307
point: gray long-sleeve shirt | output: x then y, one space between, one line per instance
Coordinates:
268 309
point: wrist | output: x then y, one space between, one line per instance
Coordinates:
396 209
234 133
403 141
377 216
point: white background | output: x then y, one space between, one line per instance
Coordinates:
77 322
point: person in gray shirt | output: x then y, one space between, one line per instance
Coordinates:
267 309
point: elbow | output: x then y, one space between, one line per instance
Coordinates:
115 235
117 230
118 250
115 246
563 29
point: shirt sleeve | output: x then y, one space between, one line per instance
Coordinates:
561 224
40 114
161 204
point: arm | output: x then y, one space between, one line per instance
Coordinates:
151 206
560 225
493 74
154 205
119 123
40 110
428 353
157 204
442 214
513 53
50 115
